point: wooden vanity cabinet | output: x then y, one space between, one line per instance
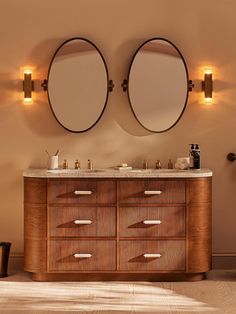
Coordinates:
117 229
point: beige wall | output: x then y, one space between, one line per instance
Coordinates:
203 30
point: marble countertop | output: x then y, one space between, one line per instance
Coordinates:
112 173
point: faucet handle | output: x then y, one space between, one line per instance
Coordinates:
77 164
90 164
158 164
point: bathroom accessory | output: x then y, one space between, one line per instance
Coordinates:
53 162
78 77
207 86
158 78
28 86
182 163
4 256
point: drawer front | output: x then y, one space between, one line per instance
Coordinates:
152 191
81 192
82 221
75 255
168 255
152 221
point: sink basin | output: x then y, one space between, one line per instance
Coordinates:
155 170
74 171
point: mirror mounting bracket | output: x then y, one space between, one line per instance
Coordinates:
125 85
45 85
110 85
190 85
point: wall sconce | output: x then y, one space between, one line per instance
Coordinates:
28 86
207 86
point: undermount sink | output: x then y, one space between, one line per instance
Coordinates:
155 170
75 171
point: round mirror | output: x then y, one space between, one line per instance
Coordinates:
77 85
158 85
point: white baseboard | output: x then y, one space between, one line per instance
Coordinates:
219 261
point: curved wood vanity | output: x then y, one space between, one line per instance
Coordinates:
117 226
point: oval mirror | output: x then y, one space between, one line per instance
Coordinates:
158 85
77 85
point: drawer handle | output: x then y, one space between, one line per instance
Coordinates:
83 192
152 192
147 255
82 255
82 222
152 222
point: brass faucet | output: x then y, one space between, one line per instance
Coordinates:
90 164
77 164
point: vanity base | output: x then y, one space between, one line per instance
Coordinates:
117 277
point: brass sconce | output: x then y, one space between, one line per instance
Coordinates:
207 86
28 86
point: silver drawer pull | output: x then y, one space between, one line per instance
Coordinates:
152 192
82 222
152 222
83 192
82 255
147 255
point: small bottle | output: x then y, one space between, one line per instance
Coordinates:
170 164
191 156
77 164
65 164
158 164
197 160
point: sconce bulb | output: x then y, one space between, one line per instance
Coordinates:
28 101
27 71
208 71
208 100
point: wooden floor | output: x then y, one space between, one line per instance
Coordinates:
217 294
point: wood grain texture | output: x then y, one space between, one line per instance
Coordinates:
61 221
173 191
199 225
35 191
35 255
106 276
199 190
199 238
35 221
61 191
61 255
117 209
172 255
172 221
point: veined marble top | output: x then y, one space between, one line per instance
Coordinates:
112 173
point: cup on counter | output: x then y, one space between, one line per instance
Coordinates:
53 162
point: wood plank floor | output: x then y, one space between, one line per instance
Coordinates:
217 294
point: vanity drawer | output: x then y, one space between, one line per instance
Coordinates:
82 221
167 255
76 255
152 221
81 191
152 191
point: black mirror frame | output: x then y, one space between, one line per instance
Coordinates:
189 86
110 84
